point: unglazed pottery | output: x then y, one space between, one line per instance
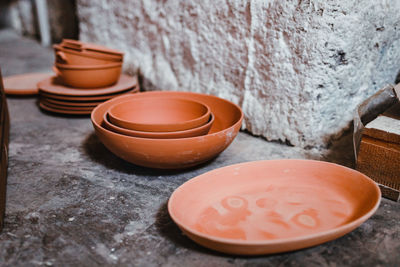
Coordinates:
101 98
273 206
71 103
79 45
64 107
159 114
172 153
76 57
88 76
24 84
198 131
64 111
54 86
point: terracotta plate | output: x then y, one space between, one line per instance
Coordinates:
24 84
64 111
273 206
70 103
53 86
56 106
87 98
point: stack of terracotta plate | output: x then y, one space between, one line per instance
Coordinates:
86 75
167 130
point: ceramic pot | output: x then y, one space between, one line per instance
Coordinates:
88 76
159 114
172 153
198 131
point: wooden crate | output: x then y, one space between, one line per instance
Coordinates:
4 135
379 154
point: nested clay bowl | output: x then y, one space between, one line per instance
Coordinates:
198 131
165 114
70 56
95 76
273 206
84 46
172 153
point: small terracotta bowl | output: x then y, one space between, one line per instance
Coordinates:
76 57
95 76
159 114
198 131
172 153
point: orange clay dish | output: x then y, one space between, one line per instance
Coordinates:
201 130
274 206
24 84
54 86
101 98
159 114
172 153
88 76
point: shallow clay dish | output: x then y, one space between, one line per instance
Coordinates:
101 98
198 131
63 107
71 103
172 153
159 114
273 206
65 55
88 76
64 111
24 84
54 86
99 50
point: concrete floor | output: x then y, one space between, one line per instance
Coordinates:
71 202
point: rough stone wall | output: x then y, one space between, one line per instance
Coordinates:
298 68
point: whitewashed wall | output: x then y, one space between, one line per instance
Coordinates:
297 68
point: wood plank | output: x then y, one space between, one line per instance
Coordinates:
4 130
384 128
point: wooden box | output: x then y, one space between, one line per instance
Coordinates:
4 134
379 152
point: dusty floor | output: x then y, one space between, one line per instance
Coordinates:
71 202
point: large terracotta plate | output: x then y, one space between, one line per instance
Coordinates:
273 206
64 111
24 84
53 86
71 103
56 106
88 98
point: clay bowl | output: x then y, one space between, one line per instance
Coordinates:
172 153
159 114
273 206
79 45
198 131
76 57
95 76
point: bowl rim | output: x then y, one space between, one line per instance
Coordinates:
97 125
87 67
201 127
91 54
204 117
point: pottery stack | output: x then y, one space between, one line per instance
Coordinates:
167 130
86 75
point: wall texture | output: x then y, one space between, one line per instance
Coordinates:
297 68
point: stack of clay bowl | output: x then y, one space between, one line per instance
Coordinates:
167 130
86 75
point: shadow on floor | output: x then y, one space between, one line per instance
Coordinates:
100 154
